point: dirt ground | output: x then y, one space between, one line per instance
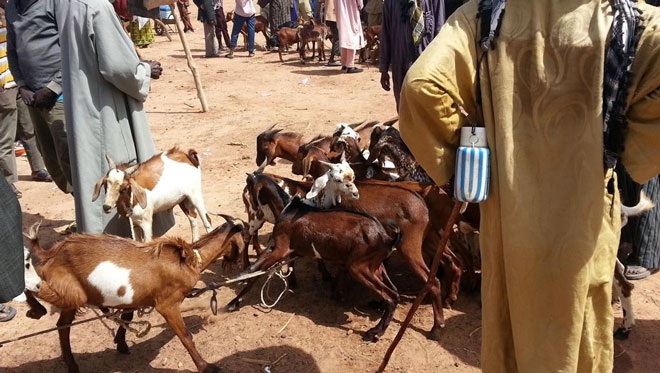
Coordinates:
308 330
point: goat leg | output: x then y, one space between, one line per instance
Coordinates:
36 310
172 315
67 317
236 302
120 338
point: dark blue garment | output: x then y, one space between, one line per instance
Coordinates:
238 24
12 278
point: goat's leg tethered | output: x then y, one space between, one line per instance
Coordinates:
446 234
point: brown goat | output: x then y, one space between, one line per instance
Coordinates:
372 37
287 36
410 213
315 33
260 26
109 271
356 241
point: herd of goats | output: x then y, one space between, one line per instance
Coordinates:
310 32
362 197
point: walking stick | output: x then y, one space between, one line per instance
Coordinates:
449 229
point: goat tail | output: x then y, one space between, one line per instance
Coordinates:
194 158
32 236
393 231
645 204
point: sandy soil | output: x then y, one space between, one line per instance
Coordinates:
311 331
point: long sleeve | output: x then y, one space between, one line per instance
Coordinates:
429 119
384 43
641 155
12 57
118 62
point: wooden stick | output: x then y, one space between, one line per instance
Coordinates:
159 22
191 63
449 229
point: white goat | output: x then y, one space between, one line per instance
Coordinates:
337 182
167 179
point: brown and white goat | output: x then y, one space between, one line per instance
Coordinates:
165 180
372 37
111 272
622 287
356 241
273 143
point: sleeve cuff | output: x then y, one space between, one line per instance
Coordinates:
55 87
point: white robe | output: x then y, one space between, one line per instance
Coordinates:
105 85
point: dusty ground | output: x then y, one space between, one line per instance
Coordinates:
311 331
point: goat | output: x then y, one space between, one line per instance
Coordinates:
372 37
163 181
273 143
405 207
260 26
287 36
388 143
356 241
621 287
108 271
315 33
356 157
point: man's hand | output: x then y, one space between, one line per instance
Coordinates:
156 69
45 98
27 95
385 80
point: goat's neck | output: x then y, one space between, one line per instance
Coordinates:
211 249
287 148
324 200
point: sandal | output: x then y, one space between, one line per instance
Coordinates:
637 273
6 313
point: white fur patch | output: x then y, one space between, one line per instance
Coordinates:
108 278
32 279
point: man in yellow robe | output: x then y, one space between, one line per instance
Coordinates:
550 228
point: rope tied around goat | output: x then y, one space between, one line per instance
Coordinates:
275 269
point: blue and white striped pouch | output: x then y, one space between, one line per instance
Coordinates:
472 173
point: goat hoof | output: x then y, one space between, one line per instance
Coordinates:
35 314
211 369
371 335
122 348
437 332
622 334
232 306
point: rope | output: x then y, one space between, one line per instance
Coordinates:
265 288
58 328
195 292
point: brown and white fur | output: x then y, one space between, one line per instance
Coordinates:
109 271
621 286
165 180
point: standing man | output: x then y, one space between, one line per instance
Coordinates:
33 51
331 21
554 90
15 121
12 278
374 10
102 75
401 43
351 36
244 13
279 14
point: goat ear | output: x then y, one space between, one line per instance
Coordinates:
343 157
358 124
97 188
328 164
307 165
139 193
319 185
111 164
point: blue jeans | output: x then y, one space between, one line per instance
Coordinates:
236 29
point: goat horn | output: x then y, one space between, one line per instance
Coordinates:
390 122
111 164
358 124
262 167
229 219
270 128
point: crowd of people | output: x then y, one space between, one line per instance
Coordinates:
72 84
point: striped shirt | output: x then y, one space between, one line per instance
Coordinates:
6 79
